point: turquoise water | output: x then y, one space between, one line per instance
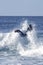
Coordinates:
12 45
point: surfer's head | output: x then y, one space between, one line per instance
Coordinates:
29 28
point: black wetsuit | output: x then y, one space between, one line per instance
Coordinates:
24 34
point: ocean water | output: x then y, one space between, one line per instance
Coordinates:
16 49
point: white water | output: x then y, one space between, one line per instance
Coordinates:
26 46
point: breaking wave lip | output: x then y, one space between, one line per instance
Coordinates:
28 46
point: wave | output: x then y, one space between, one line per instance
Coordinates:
26 46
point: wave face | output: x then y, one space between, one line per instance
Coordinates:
11 42
24 45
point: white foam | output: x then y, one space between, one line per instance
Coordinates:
8 38
34 48
32 52
14 40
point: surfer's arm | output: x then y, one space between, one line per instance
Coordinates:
17 31
21 33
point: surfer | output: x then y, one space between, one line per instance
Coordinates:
24 34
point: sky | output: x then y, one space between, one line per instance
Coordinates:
21 7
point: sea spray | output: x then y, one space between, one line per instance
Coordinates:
26 46
32 47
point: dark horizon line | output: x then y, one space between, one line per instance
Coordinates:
18 16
